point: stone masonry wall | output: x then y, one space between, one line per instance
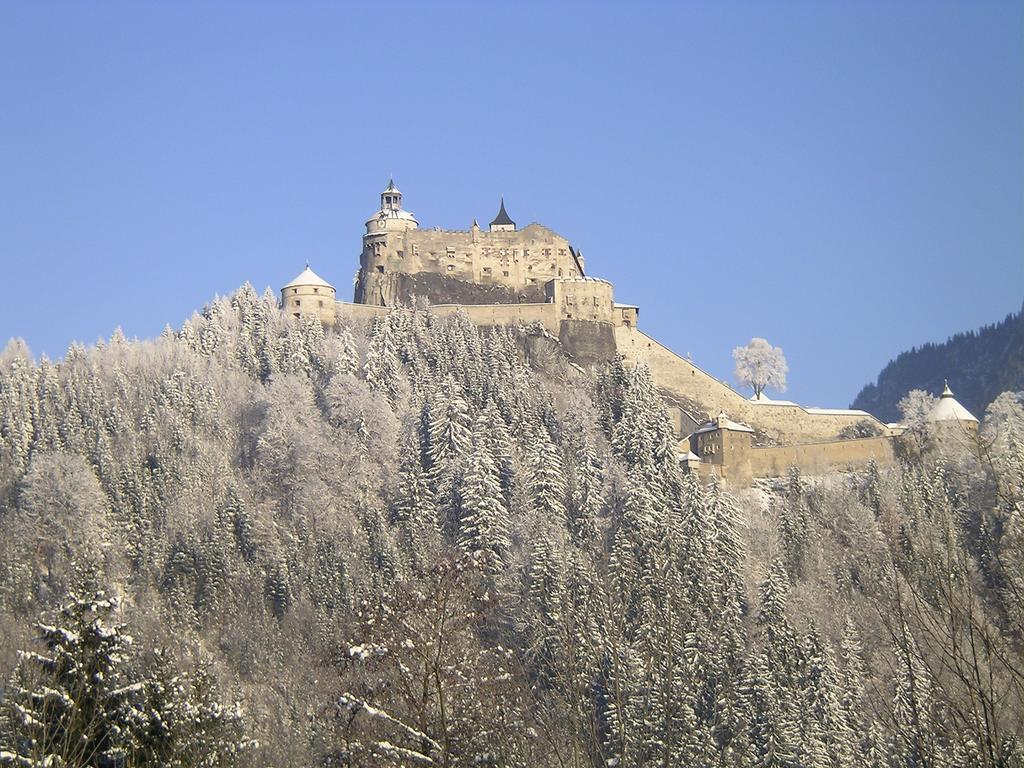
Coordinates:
819 458
521 260
682 380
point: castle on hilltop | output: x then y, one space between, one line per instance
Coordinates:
533 276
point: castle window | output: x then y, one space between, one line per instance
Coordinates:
487 270
295 290
505 272
450 252
316 290
297 302
320 304
380 268
451 267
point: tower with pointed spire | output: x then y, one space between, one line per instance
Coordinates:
391 197
391 217
503 222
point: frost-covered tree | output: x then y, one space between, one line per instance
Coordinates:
417 685
71 703
313 541
60 522
760 366
483 518
915 406
81 701
1004 421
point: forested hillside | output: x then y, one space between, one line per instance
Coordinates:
978 364
250 542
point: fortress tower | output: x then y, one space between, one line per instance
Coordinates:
948 413
309 295
503 222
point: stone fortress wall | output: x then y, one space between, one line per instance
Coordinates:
687 384
726 450
521 261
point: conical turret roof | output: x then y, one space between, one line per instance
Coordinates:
502 218
308 277
948 409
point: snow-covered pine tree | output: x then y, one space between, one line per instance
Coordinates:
181 723
499 442
825 740
72 703
585 483
382 367
546 481
345 360
483 517
794 524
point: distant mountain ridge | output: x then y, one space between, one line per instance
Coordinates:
978 364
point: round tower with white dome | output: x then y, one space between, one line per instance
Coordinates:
948 412
391 217
383 246
309 295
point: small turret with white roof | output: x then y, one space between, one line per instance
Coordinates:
309 295
949 411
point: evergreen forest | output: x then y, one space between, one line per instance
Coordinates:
256 542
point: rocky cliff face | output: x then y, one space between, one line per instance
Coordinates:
979 365
401 288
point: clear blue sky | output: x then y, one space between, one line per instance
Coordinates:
843 178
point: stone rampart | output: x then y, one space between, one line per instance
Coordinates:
684 382
518 261
731 455
819 458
